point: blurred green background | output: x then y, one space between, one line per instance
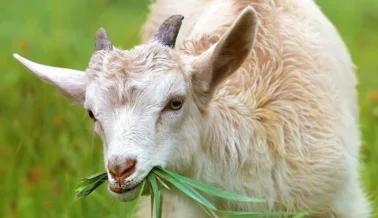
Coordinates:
47 142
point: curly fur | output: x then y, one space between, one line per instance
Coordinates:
284 127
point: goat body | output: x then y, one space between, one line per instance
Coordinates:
284 127
258 98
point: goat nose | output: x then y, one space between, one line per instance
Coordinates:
120 172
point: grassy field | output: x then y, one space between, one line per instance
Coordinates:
47 142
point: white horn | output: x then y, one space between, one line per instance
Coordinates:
71 82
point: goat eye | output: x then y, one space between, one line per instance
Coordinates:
175 104
90 113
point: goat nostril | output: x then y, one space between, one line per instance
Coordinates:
128 169
130 165
121 172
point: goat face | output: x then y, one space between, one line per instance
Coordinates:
148 103
143 110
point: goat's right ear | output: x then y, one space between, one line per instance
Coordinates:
70 82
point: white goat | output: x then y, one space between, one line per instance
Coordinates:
259 99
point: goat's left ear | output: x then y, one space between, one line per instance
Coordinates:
70 82
223 59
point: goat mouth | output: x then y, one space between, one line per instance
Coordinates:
119 190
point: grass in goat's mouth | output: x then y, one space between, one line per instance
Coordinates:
159 178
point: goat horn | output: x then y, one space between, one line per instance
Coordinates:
102 41
49 73
168 31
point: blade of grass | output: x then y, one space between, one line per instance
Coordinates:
161 206
155 190
208 211
147 189
85 191
137 200
89 184
189 191
95 176
152 201
162 183
211 190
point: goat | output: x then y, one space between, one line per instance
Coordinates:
258 98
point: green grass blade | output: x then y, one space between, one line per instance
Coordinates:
95 176
89 184
137 200
189 191
213 191
208 211
161 206
162 183
85 191
155 190
93 179
146 191
152 201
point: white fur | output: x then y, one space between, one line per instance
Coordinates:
283 125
